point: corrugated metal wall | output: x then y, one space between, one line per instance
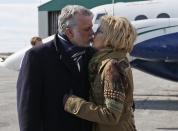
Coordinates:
53 22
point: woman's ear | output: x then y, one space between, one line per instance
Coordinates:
69 33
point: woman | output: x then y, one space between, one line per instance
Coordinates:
111 79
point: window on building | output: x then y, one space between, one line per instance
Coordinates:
53 22
141 17
98 18
163 15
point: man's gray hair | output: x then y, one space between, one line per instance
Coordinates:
67 17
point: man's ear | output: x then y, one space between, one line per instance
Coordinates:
69 33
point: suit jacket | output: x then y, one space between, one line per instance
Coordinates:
46 75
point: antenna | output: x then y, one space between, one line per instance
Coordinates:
113 7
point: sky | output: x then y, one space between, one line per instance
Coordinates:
18 23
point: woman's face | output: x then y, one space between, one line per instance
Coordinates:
98 41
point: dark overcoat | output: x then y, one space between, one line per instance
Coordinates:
46 75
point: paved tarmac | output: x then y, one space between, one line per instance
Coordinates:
156 102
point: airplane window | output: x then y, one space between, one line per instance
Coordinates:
98 17
163 15
141 17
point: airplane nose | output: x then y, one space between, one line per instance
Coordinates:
1 64
1 60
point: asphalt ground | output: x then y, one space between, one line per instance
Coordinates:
156 102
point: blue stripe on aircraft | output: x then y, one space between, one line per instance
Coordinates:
160 48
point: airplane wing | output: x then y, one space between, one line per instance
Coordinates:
13 62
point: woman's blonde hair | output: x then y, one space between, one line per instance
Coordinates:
119 33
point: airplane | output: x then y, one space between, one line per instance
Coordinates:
156 48
138 10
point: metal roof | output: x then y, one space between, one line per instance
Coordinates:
56 5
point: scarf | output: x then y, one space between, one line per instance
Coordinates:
76 53
101 58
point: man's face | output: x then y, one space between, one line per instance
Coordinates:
82 31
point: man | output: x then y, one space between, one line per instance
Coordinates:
54 69
35 41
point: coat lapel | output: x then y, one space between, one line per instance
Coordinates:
64 57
